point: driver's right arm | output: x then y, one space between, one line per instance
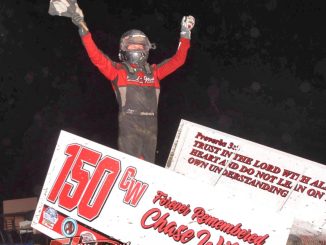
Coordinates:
98 58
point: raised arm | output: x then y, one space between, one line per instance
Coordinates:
100 60
170 65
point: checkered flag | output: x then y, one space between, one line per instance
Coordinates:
67 8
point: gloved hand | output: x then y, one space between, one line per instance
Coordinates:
187 23
78 19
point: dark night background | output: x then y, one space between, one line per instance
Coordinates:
256 70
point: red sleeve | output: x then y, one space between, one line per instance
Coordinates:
170 65
101 61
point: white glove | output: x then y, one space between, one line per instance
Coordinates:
78 19
187 23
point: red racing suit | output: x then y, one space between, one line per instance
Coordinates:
137 91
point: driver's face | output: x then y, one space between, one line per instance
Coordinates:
135 47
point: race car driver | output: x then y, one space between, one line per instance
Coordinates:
136 83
